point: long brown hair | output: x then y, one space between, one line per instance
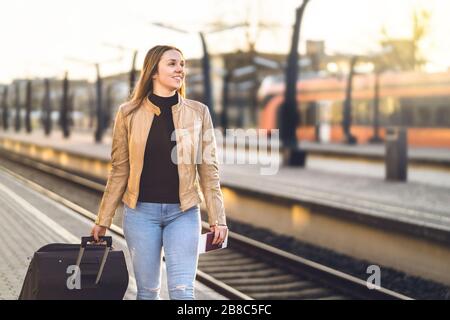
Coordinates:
144 85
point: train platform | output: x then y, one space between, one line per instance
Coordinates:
417 204
417 155
31 220
81 143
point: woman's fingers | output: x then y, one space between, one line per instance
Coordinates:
223 235
220 234
98 231
216 236
96 234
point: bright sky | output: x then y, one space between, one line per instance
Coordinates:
39 37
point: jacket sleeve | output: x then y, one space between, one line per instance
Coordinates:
208 170
118 175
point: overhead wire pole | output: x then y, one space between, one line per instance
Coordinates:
290 117
208 98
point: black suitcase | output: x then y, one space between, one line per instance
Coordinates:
76 272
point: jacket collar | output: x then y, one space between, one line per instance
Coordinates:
156 110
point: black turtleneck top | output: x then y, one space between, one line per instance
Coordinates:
159 179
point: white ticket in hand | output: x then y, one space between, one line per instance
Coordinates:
205 243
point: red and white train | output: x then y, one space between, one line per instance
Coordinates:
419 101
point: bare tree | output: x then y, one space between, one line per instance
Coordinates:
405 54
421 28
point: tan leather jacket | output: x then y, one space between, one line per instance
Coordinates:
131 127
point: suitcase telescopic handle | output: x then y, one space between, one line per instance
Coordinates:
84 243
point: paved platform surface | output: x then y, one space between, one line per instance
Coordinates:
427 154
31 220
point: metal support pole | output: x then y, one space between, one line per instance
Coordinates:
47 109
5 111
99 111
28 107
65 107
17 119
290 117
376 114
347 110
208 93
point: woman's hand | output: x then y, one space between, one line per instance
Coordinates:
98 231
220 233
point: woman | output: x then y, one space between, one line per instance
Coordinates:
153 131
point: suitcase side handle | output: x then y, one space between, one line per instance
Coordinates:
84 241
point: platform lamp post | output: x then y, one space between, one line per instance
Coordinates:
17 119
5 109
290 118
28 106
347 109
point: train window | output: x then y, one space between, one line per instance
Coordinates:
424 116
361 113
336 112
311 109
425 111
306 110
407 115
443 116
389 111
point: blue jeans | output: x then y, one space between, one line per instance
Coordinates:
148 228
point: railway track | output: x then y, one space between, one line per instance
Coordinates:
247 269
